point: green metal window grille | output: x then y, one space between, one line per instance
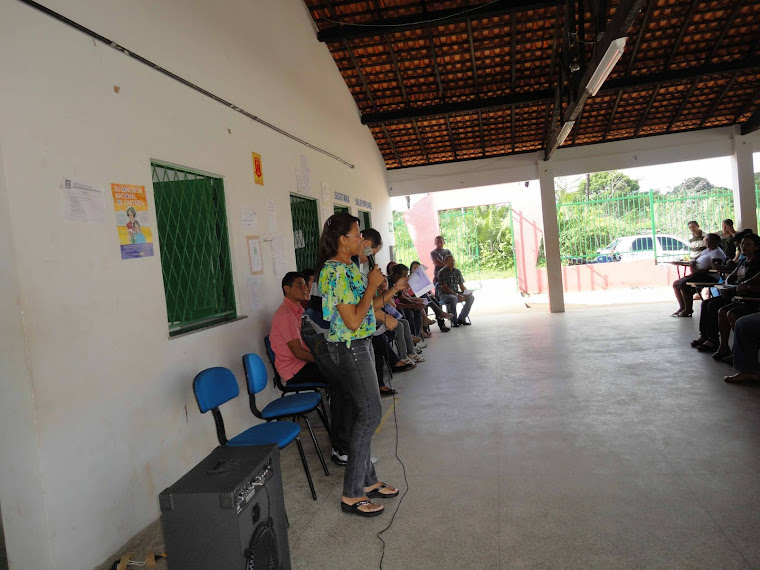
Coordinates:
365 220
459 229
195 252
304 213
587 229
341 210
404 250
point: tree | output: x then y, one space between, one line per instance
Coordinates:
694 185
612 184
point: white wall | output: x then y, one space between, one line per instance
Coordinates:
104 412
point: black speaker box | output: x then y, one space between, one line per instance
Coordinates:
228 513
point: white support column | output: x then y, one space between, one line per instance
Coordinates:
742 170
551 237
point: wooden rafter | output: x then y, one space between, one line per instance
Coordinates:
451 137
645 114
681 33
611 120
472 55
434 58
400 80
360 73
393 146
719 99
419 138
729 22
449 16
640 36
482 136
683 104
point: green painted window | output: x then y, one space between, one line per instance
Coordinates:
340 210
305 217
195 252
365 220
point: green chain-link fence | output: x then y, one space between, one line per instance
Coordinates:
305 216
461 233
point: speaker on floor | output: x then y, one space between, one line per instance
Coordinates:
228 513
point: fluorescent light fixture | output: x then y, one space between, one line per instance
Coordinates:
609 59
564 131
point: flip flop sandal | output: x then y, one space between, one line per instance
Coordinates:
698 342
354 509
684 314
721 354
376 494
705 347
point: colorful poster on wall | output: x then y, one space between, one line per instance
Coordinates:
258 170
132 223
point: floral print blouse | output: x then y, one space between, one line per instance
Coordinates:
343 284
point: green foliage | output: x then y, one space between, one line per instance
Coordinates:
404 250
612 184
693 185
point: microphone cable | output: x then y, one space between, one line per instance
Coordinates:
403 467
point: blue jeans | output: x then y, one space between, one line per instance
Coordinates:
451 305
747 343
357 367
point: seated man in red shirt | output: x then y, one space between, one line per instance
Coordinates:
293 361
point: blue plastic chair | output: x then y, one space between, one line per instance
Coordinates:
294 406
215 386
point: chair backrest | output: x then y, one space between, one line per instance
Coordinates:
255 373
213 387
270 352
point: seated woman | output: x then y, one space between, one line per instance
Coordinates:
440 314
412 308
720 313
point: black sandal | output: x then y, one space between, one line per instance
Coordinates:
376 494
388 391
721 354
354 509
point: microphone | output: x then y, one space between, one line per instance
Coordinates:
370 257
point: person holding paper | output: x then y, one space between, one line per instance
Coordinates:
453 291
440 314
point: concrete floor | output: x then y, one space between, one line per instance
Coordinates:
596 438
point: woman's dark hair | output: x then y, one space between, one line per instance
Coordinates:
750 236
729 222
373 236
336 225
396 273
413 263
389 267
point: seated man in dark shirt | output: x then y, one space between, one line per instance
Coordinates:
453 291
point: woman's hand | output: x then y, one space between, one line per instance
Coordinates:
375 278
401 284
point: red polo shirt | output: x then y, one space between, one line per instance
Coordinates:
286 326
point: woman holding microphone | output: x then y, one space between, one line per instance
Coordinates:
348 304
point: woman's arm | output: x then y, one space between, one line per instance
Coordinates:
354 315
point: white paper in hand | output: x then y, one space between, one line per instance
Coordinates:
419 282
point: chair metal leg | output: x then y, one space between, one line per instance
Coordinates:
306 468
323 416
316 446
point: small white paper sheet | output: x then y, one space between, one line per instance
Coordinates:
82 202
272 216
419 282
249 221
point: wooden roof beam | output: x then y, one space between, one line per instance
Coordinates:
729 23
472 55
645 114
393 147
612 115
717 101
543 96
681 33
752 124
345 30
